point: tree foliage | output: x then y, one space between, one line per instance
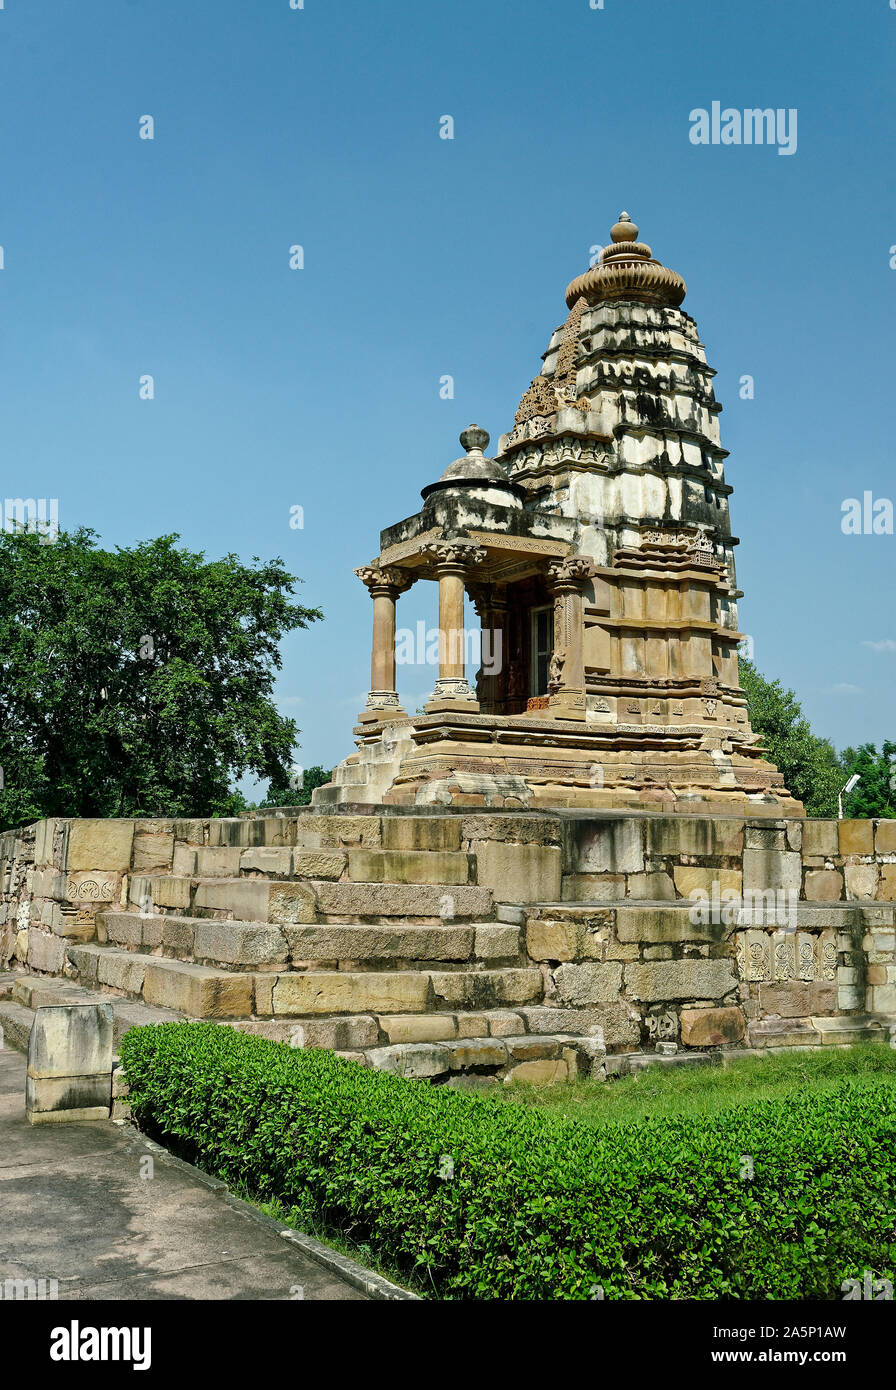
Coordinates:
875 794
812 769
138 681
291 794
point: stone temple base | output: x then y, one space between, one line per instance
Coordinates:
457 759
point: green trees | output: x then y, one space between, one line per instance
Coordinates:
292 795
813 770
137 681
875 794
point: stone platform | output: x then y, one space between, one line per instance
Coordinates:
471 947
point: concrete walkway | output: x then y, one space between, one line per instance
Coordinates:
76 1209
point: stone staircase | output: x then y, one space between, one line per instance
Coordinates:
469 947
390 953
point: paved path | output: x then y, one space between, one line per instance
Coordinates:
76 1209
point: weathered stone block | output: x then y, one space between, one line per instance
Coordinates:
856 836
519 873
606 888
886 888
318 863
824 885
45 951
347 941
197 990
523 830
666 926
161 891
240 943
332 1033
680 979
588 983
479 1053
152 851
287 903
362 900
496 941
338 832
226 830
797 999
472 1025
767 835
411 1028
411 1059
605 847
69 1098
91 888
711 1027
503 1023
121 970
483 989
861 881
407 866
820 837
422 832
689 879
218 861
275 861
542 1073
70 1040
702 837
766 869
885 837
334 992
652 887
100 844
883 999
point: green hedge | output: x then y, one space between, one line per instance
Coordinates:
538 1207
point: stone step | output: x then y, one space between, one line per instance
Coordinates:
837 1031
427 902
312 992
201 991
15 1024
197 991
410 866
535 1060
257 944
232 943
310 900
17 1013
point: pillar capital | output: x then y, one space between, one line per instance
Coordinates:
384 579
572 572
455 556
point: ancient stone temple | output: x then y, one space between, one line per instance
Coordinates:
596 550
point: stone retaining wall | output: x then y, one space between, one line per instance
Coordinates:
634 923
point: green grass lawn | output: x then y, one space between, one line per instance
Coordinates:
705 1090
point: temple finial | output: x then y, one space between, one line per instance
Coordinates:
624 229
474 439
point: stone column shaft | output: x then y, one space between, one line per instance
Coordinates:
384 586
567 684
452 562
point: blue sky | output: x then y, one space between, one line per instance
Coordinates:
319 388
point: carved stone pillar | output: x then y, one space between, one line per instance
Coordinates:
384 586
452 563
567 671
491 606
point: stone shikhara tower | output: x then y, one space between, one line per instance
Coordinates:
596 547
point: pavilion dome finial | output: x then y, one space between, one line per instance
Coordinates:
474 439
626 270
474 471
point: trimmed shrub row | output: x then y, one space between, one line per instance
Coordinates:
481 1199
